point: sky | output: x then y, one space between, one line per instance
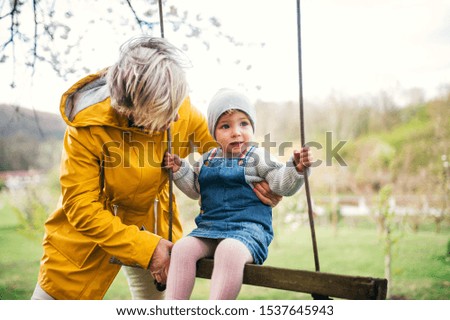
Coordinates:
350 48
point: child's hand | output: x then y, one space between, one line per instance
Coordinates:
171 161
302 159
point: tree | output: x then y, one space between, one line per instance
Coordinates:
390 230
73 39
55 32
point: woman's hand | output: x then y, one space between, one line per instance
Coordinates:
159 264
263 192
171 161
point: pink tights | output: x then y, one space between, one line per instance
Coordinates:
230 257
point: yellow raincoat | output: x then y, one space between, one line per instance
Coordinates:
110 177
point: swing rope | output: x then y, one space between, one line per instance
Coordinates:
161 19
302 138
169 139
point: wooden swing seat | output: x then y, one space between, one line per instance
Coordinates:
317 283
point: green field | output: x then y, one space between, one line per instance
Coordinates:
421 261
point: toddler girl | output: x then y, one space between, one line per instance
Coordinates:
233 226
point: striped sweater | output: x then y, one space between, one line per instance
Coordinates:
283 178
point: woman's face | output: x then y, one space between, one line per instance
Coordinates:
233 133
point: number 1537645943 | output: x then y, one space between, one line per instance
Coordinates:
301 310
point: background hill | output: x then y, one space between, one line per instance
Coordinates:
15 120
28 139
381 143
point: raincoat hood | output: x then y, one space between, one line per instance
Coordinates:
88 103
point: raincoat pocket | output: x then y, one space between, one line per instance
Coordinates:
72 245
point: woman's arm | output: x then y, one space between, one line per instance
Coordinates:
83 205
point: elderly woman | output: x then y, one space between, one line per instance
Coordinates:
115 200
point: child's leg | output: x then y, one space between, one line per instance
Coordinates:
229 262
183 264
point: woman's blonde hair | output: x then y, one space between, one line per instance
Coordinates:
148 82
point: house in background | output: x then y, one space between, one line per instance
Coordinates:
19 179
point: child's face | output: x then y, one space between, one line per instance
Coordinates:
233 133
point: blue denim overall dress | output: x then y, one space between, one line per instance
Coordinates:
230 208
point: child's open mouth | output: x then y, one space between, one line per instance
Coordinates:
236 144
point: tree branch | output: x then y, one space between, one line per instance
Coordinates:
33 63
139 21
13 25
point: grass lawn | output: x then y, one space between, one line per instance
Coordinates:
19 258
421 263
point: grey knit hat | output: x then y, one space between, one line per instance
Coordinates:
228 99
